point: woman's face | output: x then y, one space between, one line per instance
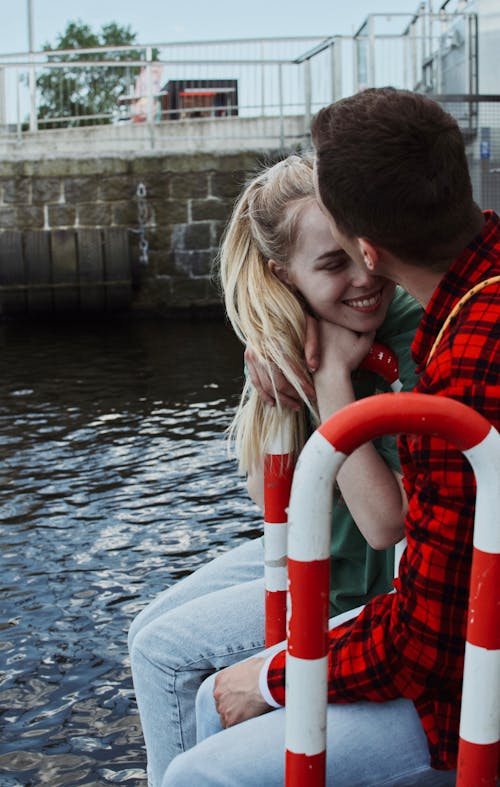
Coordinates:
334 286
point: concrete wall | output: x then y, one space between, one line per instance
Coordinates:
199 135
188 201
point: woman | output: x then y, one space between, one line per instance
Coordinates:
279 263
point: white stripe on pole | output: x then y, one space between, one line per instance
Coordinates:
484 460
279 443
276 578
275 540
481 676
399 548
317 464
305 721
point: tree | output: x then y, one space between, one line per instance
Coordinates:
79 93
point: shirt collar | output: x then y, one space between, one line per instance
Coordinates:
470 267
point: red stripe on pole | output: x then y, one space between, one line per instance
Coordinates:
304 771
278 475
483 627
308 625
478 764
388 413
275 617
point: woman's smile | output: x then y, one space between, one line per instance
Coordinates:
365 303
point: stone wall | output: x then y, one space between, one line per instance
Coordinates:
188 200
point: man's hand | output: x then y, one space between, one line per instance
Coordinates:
287 395
236 692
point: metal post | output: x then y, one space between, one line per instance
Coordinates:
262 81
3 98
31 76
307 98
371 51
150 97
308 571
336 68
282 118
413 54
19 128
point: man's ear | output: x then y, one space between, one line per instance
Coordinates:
370 253
280 271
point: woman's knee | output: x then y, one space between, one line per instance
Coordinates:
134 628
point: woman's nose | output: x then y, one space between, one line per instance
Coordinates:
361 277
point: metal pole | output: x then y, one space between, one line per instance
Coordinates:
336 68
308 572
3 112
371 51
31 79
307 98
262 81
19 133
282 118
150 104
278 474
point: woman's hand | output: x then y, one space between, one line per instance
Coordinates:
371 490
286 393
341 349
341 352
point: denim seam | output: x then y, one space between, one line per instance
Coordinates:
409 771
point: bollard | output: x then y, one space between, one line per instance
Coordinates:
308 569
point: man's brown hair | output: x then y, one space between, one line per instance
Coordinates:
392 168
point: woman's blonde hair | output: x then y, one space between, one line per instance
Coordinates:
263 311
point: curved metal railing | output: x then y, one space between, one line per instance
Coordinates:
308 572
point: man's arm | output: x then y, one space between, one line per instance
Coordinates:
236 692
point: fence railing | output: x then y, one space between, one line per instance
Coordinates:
277 84
479 119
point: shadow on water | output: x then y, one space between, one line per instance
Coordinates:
115 483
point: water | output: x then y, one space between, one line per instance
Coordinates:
115 483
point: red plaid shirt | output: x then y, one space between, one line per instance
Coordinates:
411 643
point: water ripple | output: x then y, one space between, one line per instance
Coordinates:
115 483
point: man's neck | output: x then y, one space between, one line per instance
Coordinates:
421 281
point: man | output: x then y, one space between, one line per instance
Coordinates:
392 176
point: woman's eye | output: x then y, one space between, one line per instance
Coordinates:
336 265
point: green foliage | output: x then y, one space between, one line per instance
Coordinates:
81 92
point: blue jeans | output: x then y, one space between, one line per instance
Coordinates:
207 621
368 744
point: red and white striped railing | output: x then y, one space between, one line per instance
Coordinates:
308 572
279 464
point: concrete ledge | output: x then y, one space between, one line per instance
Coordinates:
201 135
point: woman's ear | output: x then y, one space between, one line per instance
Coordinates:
280 271
370 254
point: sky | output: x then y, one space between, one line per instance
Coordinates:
163 21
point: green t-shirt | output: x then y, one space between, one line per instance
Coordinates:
358 572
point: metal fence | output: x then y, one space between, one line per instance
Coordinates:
479 119
242 92
86 87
